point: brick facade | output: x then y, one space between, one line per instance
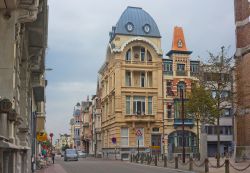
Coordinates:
242 72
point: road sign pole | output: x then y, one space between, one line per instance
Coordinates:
138 148
115 153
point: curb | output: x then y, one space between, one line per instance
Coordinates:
171 169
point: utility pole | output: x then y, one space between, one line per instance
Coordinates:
163 119
182 115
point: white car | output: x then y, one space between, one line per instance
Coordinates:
70 154
82 154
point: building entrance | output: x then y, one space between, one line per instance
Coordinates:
156 144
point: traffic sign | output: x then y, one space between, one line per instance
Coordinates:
138 132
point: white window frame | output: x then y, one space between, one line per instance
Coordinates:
150 113
128 81
122 137
139 99
128 98
144 79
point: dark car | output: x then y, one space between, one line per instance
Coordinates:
70 154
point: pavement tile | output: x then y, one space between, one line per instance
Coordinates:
54 168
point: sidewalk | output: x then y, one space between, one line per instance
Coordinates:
54 168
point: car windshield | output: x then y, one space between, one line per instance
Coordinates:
71 151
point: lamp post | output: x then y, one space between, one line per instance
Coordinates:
182 115
51 136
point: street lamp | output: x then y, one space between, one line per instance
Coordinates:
182 115
51 136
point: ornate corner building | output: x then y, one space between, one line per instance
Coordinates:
23 34
179 73
131 86
242 57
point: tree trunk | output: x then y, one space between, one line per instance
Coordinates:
218 142
198 139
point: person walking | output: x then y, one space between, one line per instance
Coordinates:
53 157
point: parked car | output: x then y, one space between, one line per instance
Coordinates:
70 154
82 154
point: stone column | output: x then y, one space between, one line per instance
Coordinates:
6 156
1 160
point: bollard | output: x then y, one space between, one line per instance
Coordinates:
165 161
176 162
148 159
141 159
226 166
206 166
155 160
131 158
190 164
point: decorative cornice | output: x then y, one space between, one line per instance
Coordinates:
5 106
12 115
28 10
117 49
27 15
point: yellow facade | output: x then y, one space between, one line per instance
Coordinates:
131 94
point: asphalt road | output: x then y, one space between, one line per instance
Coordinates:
108 166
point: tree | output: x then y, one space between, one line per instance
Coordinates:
201 107
216 77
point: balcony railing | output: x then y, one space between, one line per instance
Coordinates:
194 73
187 122
181 73
169 73
139 62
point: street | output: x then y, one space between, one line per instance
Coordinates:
91 165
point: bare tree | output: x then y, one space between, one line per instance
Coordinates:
215 75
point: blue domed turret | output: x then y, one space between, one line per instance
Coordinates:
137 22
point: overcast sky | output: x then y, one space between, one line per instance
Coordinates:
79 33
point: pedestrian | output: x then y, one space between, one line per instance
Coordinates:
53 156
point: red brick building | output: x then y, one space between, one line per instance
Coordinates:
242 57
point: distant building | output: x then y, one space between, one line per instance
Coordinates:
179 74
131 82
86 132
226 118
77 126
64 141
96 126
242 57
